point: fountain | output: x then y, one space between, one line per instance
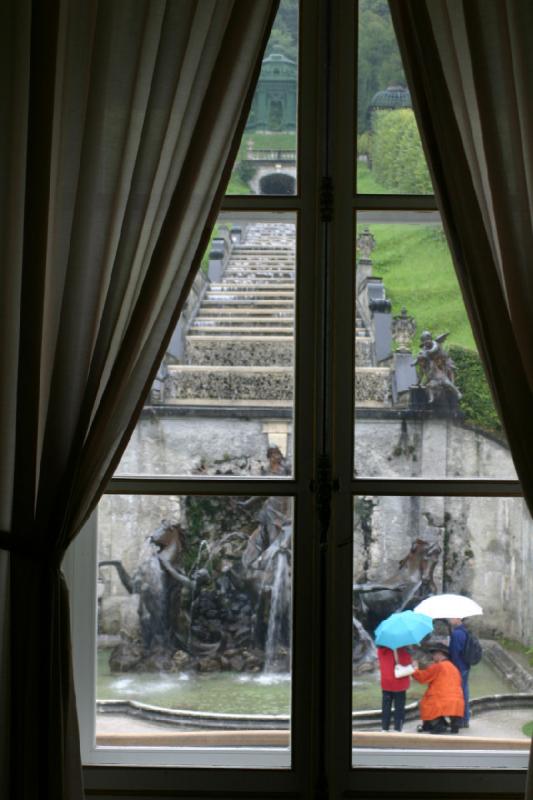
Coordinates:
212 602
278 636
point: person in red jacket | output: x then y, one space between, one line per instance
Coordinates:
393 689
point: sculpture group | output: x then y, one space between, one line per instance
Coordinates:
223 602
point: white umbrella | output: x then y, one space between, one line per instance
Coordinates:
448 606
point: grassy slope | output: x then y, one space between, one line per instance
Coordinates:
418 273
366 183
415 264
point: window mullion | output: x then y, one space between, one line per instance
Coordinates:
442 487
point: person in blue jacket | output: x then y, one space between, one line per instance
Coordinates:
458 637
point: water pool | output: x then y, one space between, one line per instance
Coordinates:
245 693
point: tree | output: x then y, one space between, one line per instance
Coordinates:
398 160
284 34
380 64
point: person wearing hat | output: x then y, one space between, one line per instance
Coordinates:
444 695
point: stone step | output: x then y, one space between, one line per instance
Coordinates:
263 252
265 384
267 258
250 249
259 266
264 275
240 350
248 313
234 285
262 255
229 383
194 402
210 322
243 302
260 272
255 264
239 330
256 348
229 294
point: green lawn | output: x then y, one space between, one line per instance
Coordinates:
366 183
418 273
272 141
415 264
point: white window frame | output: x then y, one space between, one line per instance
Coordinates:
406 766
327 418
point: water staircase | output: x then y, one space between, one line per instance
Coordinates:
240 343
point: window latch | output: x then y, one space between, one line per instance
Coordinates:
323 487
326 198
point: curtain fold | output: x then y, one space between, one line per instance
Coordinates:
119 121
469 65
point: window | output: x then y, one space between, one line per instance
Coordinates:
226 609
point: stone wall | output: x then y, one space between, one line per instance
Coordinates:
179 445
487 544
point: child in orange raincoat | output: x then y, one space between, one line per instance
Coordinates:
444 695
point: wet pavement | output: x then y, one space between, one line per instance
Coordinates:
500 724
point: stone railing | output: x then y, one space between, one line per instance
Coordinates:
271 155
219 255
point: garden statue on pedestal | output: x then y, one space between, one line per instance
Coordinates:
436 370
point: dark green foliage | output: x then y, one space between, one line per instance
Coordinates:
476 403
398 160
245 171
380 64
284 35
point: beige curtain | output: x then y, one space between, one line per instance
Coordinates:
118 124
469 65
470 68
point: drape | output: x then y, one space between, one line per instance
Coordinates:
119 121
469 65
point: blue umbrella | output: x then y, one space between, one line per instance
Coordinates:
403 628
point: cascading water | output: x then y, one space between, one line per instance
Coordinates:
277 567
279 617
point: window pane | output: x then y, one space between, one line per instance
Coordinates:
406 549
194 621
222 403
266 161
390 159
422 402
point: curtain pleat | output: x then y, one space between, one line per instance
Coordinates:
469 65
474 160
119 122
